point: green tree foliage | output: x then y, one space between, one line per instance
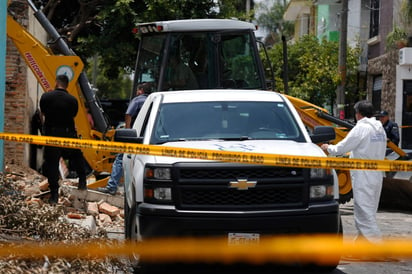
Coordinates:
104 27
108 88
313 70
270 18
177 9
157 10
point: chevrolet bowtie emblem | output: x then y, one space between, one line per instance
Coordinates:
242 184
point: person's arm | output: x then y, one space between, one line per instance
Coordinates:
129 113
349 143
128 121
395 134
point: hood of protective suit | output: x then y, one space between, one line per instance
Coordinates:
376 124
367 140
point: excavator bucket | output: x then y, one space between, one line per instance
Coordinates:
396 194
397 186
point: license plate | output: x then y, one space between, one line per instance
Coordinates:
243 238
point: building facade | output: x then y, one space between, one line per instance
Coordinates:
384 68
22 93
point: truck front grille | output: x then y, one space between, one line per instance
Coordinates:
207 187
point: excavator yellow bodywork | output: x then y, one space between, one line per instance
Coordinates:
396 192
45 66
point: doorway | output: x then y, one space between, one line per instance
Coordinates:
407 115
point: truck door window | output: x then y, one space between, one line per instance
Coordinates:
145 121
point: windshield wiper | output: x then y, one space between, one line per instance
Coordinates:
240 138
172 140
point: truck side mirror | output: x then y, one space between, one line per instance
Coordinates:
127 135
323 134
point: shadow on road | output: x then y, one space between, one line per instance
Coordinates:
236 268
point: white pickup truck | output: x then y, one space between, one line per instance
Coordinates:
171 196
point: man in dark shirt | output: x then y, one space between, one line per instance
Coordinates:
133 109
391 128
59 109
143 90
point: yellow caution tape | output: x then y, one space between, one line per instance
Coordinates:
319 249
214 155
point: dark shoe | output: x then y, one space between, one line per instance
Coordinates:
54 198
82 186
106 190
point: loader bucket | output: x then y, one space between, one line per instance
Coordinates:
396 194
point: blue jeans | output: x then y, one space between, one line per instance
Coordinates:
117 172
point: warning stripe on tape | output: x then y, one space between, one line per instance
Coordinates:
214 155
322 249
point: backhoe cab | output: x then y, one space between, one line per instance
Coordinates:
199 54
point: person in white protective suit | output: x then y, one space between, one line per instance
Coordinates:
366 140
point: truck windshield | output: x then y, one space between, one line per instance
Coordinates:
200 60
226 121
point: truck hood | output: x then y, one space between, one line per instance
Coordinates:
254 146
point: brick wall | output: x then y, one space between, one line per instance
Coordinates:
384 65
17 112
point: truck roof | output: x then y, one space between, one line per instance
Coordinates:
218 95
198 25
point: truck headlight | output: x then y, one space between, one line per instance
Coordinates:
162 193
321 191
318 172
159 173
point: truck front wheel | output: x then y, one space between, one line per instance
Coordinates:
130 222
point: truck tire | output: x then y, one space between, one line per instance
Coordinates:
327 268
130 222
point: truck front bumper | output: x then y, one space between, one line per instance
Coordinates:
166 221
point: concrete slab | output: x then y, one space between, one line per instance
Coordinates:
115 233
91 195
89 223
403 175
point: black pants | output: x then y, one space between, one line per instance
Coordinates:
52 157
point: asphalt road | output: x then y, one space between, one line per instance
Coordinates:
394 224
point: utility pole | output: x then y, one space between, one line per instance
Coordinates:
340 92
247 7
3 39
285 65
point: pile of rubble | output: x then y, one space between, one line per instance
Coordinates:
25 216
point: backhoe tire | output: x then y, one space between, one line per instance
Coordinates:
344 198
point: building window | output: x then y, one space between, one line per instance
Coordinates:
304 25
374 23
